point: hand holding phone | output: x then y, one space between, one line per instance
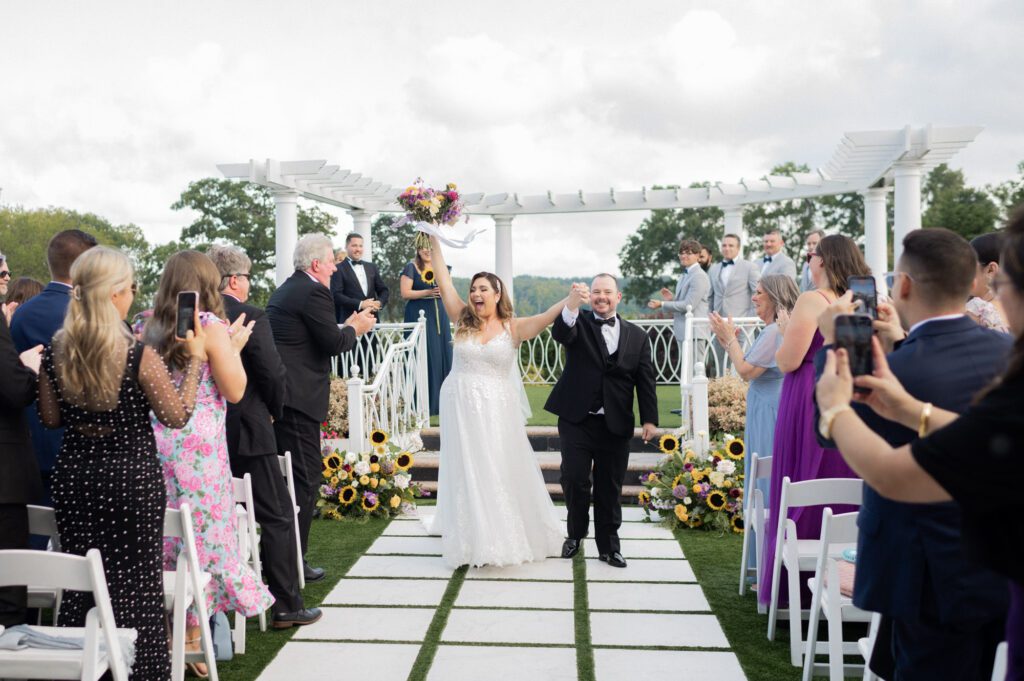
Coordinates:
863 288
853 333
188 306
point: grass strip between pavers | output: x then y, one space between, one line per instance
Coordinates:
425 658
581 601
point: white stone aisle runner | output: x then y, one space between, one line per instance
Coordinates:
513 623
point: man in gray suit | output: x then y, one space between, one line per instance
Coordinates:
775 261
812 245
733 284
692 291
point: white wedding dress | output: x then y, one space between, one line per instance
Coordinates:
492 505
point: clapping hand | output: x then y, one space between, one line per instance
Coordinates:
370 304
724 329
361 321
239 332
888 327
32 358
579 294
8 309
782 320
666 294
654 304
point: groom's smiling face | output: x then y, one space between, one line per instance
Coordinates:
604 296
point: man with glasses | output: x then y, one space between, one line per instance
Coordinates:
813 239
5 282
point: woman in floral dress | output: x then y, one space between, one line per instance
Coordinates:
195 458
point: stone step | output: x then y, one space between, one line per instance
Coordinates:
542 439
629 492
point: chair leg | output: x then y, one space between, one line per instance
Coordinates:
836 666
238 635
795 614
812 633
743 560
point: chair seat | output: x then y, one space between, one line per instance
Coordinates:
169 578
40 663
807 552
851 613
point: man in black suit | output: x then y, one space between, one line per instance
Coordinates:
252 446
20 483
607 358
943 615
301 314
357 285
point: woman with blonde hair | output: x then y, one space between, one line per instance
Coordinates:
195 455
100 384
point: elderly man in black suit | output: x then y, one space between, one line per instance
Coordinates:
301 313
252 446
357 284
20 483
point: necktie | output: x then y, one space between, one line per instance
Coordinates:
726 263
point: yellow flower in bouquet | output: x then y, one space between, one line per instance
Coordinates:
364 480
737 524
681 513
395 502
375 468
643 498
428 276
696 489
697 475
715 500
343 475
370 503
668 443
735 449
378 437
335 481
347 495
373 483
404 461
676 481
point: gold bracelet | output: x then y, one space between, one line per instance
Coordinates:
926 414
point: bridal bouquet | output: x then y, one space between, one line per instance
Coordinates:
374 483
689 489
428 209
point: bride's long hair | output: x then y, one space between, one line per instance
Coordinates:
468 322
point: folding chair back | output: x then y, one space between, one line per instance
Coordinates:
248 547
760 469
289 476
42 521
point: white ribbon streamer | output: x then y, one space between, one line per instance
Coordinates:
439 232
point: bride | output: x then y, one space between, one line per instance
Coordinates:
492 505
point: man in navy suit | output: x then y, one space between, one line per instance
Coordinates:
943 616
35 322
357 284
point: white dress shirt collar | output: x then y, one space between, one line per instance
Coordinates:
940 318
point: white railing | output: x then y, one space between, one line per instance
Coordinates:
396 400
368 355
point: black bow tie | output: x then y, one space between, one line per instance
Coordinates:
610 321
726 263
767 258
355 262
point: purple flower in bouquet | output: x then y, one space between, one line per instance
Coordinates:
370 499
679 492
688 466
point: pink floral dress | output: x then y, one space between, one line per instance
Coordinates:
197 472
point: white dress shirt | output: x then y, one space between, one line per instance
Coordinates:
724 272
360 273
610 333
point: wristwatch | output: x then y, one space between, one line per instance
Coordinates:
828 416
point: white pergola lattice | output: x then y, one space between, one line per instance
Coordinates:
871 163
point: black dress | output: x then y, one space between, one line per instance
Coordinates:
109 494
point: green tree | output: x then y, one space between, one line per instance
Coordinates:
392 249
1009 194
953 205
794 218
242 213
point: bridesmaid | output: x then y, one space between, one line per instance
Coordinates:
795 451
424 295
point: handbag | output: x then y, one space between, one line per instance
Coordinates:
220 631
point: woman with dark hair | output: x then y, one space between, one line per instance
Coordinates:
195 456
796 453
23 288
931 469
984 306
419 287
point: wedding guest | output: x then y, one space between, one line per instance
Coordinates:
816 235
34 323
356 283
424 296
339 256
932 468
301 314
194 456
20 483
943 615
22 289
984 306
795 450
775 260
692 291
252 447
101 384
733 282
5 280
705 258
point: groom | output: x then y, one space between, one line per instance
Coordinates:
606 359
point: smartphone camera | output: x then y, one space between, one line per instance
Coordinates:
853 334
864 291
188 301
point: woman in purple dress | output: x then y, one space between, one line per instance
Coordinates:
795 452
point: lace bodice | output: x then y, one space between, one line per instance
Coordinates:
493 358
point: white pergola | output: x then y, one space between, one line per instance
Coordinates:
871 163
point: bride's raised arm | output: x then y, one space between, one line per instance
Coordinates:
453 303
529 327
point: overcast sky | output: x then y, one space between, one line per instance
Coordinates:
114 107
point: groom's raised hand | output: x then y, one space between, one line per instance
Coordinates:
579 294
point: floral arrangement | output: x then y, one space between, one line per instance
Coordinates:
727 404
375 483
695 490
336 425
433 206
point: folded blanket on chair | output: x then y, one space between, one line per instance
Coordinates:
23 636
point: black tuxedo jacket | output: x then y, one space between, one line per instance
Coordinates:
19 473
250 428
590 371
348 293
301 315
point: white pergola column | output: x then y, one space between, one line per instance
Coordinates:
361 225
907 202
503 250
734 225
286 231
875 234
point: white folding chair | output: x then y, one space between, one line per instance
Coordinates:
866 646
183 587
1001 662
58 571
837 532
754 518
801 554
289 477
248 547
43 521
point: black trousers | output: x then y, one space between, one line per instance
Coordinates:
590 449
299 434
924 649
13 535
274 513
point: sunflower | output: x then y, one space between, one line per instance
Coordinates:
737 524
643 498
695 522
347 494
676 481
697 475
370 502
428 276
681 513
404 461
735 449
331 463
669 444
378 437
716 500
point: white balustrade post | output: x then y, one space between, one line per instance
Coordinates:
685 373
361 225
503 251
875 234
734 225
286 232
422 378
356 417
907 204
700 406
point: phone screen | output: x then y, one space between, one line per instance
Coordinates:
187 302
853 334
864 290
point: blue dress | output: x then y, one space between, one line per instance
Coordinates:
439 334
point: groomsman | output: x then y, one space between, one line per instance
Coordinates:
301 315
733 284
704 258
692 291
775 261
812 245
357 284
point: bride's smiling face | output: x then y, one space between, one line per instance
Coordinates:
483 298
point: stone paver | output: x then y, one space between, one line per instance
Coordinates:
308 660
554 568
472 663
641 570
423 546
646 629
688 665
480 593
510 626
369 624
405 529
640 548
401 566
641 597
368 591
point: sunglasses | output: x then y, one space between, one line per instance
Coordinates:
236 274
5 274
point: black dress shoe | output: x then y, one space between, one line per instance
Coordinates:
313 574
614 559
287 620
570 548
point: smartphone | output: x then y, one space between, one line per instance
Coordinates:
185 322
864 290
853 334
